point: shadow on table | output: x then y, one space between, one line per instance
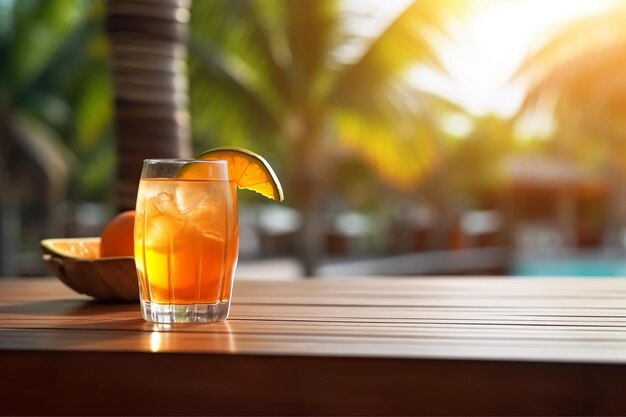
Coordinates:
70 307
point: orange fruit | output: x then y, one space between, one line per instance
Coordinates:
117 238
73 248
248 170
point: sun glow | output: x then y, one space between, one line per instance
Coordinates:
488 45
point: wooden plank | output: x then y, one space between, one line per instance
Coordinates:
422 319
68 312
525 343
376 291
575 319
347 328
49 288
437 346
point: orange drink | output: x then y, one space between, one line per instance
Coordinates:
186 240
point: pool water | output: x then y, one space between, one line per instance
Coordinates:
572 267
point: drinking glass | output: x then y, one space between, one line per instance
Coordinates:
186 240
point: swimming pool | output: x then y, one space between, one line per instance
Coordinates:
572 267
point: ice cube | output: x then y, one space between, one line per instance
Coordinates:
150 189
206 209
147 190
165 203
209 219
162 230
190 196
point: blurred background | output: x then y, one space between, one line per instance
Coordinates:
424 137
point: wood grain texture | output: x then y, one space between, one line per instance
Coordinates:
429 346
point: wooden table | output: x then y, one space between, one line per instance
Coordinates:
387 346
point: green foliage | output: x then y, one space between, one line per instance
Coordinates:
40 29
55 88
93 108
96 178
297 78
476 162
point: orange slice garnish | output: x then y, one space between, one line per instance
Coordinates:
248 170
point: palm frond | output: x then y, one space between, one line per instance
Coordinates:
401 160
241 34
223 106
46 149
310 29
35 44
580 76
581 35
580 66
262 69
407 40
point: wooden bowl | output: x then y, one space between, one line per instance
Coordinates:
105 279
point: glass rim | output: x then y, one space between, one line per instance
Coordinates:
183 161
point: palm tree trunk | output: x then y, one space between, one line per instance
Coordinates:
148 50
310 249
438 189
9 208
308 188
